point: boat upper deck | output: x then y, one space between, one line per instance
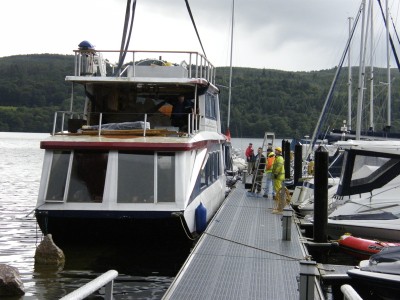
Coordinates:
193 67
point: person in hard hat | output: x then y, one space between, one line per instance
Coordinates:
258 171
278 170
269 190
250 158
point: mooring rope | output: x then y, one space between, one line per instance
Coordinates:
256 248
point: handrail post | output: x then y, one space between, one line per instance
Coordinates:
145 126
54 124
109 290
100 122
62 122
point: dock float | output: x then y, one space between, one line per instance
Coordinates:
242 255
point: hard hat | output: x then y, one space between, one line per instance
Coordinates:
271 154
278 149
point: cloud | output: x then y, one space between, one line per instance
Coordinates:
290 35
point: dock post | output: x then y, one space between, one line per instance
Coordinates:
298 163
287 224
321 195
286 156
308 272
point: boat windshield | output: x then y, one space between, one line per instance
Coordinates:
364 171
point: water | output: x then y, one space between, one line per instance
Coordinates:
143 273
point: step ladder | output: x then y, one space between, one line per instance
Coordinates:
268 142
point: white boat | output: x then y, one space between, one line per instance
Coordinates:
368 193
119 168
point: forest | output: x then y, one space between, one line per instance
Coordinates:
33 87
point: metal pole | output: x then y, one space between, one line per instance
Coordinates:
388 69
230 69
349 82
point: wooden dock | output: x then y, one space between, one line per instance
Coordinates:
242 255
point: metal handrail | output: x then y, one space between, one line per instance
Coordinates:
349 293
193 122
106 279
202 66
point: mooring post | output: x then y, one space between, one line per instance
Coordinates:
287 223
321 195
286 156
308 272
298 163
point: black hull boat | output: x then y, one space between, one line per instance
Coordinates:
378 277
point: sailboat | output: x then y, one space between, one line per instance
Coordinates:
120 170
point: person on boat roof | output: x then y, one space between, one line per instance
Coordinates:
180 110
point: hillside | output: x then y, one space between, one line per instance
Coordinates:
32 88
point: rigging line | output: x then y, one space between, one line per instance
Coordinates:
328 100
129 14
256 248
390 38
194 25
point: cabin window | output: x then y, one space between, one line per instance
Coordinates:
166 177
135 177
88 174
211 171
58 176
210 106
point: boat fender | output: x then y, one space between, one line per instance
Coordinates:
201 218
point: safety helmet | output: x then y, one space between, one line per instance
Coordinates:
271 154
278 149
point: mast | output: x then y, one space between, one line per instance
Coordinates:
350 81
330 93
361 75
388 70
230 71
371 95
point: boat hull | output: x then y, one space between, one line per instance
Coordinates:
111 226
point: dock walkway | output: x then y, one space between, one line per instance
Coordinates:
242 255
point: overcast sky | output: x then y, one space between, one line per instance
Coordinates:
293 35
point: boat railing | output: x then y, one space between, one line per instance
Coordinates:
106 280
139 124
90 62
349 293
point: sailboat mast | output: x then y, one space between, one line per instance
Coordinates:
388 69
350 81
230 69
371 95
361 75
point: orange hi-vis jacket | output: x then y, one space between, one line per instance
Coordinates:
270 162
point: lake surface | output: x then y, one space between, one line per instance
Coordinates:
143 273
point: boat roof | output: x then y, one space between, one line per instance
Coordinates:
131 142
